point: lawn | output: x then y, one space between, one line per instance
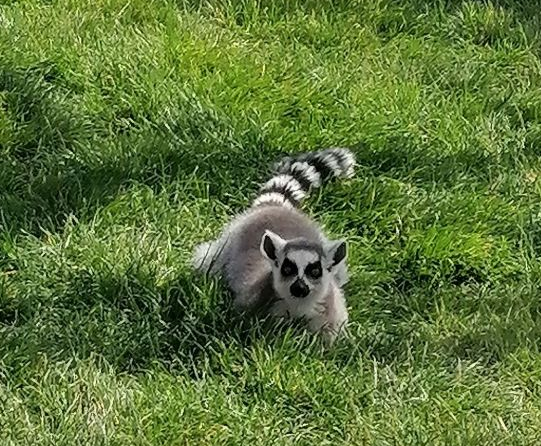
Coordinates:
132 130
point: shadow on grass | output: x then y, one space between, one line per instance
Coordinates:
129 321
132 322
49 172
448 325
59 161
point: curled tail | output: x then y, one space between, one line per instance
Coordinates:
296 175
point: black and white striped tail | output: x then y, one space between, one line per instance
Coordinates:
296 175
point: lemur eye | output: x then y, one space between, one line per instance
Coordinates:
288 268
314 270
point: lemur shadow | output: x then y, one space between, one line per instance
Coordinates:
463 315
128 320
218 325
131 322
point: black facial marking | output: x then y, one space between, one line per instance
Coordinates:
299 288
313 270
288 268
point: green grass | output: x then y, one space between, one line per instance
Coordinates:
130 131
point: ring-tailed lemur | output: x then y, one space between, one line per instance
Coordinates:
273 255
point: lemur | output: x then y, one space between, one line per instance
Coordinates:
274 256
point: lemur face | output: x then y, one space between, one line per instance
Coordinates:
301 268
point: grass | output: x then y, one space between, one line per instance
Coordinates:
130 131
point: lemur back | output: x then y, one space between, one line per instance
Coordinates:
275 256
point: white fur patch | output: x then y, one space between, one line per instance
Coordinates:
272 197
286 181
308 172
330 161
206 257
332 317
347 159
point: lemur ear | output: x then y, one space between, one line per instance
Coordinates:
271 244
336 252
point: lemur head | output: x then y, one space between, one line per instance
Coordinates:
302 268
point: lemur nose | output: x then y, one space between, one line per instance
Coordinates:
299 288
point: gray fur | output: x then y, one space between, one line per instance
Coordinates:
302 244
255 278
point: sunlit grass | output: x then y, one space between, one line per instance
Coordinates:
130 131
